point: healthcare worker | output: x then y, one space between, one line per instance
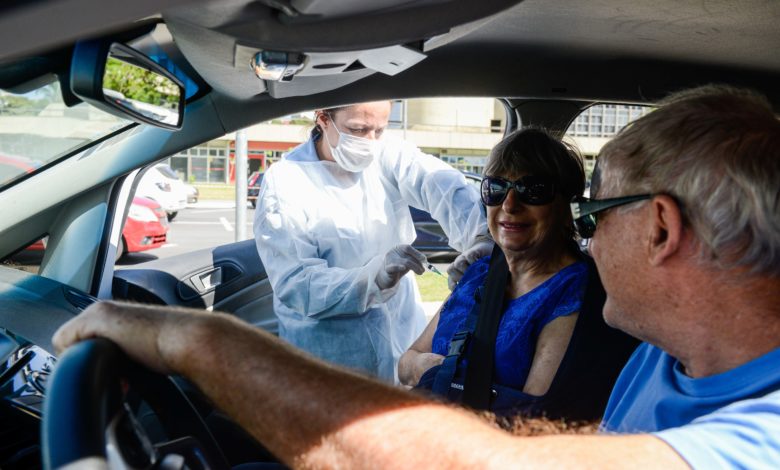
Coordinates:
333 230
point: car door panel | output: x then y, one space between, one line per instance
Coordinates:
229 278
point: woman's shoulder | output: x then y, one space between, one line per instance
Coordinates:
577 270
573 277
473 278
567 288
477 270
567 285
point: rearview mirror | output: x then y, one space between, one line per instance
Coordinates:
124 82
142 88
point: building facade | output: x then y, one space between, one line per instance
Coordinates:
460 131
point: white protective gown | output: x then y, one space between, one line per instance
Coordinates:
322 234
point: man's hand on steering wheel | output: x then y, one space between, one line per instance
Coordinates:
141 331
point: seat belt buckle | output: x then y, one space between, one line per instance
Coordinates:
458 343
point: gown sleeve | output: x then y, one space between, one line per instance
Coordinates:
427 183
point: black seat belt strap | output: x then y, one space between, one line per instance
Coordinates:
479 371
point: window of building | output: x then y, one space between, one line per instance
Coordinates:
397 115
205 163
597 124
605 120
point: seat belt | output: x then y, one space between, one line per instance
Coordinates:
444 382
479 371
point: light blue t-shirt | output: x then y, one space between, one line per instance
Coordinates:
653 393
744 435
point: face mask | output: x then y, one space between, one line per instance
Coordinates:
352 153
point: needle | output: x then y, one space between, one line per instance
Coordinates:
432 268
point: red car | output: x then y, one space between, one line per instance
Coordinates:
145 228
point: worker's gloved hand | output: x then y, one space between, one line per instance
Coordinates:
478 250
399 261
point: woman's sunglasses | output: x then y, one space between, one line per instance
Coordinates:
531 189
584 210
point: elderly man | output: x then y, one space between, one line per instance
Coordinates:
691 266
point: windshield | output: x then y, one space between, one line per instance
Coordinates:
36 128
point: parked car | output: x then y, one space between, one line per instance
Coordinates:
192 193
546 61
177 185
160 183
253 187
431 238
146 227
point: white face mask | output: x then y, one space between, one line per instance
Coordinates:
353 153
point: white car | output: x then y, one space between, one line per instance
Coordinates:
161 184
177 184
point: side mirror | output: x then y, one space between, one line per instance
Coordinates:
124 82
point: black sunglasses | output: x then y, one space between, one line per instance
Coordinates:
531 189
584 210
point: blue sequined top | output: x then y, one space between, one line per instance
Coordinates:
523 319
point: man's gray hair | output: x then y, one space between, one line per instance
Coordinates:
716 150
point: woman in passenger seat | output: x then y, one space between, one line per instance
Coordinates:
530 178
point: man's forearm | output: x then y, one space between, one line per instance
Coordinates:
313 415
316 416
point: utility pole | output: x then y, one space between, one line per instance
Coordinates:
241 182
405 117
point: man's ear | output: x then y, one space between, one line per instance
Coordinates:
320 118
667 228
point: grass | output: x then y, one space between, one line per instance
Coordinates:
433 288
221 192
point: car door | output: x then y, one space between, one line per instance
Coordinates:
228 278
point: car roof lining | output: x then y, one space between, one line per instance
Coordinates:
552 49
742 34
621 35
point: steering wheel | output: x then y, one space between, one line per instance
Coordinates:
87 418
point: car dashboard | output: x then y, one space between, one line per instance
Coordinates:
31 309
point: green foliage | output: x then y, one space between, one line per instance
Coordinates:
139 84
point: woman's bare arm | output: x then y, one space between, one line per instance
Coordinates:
550 348
419 358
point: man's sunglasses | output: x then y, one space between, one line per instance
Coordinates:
584 211
531 189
